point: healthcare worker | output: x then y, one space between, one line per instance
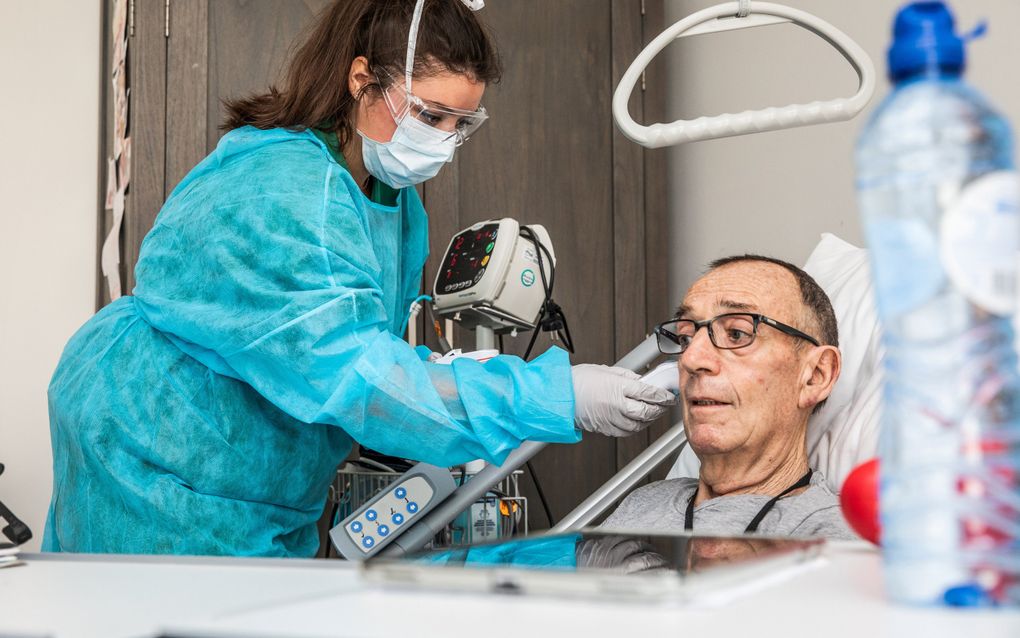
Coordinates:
207 413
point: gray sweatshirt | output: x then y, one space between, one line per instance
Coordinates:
661 506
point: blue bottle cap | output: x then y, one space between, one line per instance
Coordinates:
925 42
967 595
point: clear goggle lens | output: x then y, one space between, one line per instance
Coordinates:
456 123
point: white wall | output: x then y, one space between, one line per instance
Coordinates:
774 193
49 114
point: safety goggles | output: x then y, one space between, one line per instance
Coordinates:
451 122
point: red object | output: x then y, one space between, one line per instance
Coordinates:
859 500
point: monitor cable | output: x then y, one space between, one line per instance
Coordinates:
550 317
16 530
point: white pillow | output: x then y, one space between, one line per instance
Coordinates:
844 432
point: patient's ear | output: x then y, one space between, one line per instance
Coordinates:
821 370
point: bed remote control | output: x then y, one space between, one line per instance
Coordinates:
365 532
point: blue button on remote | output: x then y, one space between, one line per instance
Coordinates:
412 507
368 541
383 530
401 492
370 515
398 519
356 526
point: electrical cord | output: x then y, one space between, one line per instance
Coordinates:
370 463
555 320
16 530
412 312
550 317
541 495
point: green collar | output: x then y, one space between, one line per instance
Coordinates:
382 194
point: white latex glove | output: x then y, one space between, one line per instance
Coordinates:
620 553
612 401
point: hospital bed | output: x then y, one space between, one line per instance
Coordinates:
843 434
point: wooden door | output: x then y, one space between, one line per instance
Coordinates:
552 155
549 155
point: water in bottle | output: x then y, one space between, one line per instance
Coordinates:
939 201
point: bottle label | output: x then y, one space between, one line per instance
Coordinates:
980 239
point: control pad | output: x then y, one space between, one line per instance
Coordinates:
393 508
392 511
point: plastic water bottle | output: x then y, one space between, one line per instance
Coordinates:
939 200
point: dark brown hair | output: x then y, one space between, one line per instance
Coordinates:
314 91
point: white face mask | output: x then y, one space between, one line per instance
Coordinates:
413 155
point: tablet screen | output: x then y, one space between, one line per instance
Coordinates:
681 554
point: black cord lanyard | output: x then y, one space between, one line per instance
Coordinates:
753 525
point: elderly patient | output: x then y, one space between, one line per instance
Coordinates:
766 359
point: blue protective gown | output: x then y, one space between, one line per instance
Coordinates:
207 413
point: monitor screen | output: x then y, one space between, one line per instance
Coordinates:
466 260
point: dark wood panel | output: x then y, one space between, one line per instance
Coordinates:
659 299
249 48
546 157
105 149
628 211
441 197
187 76
147 53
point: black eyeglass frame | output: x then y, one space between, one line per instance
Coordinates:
757 319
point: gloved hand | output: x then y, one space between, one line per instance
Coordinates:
612 401
620 553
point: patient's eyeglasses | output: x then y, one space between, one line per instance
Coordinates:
729 331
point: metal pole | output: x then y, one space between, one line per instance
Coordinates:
433 522
485 338
615 488
640 357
